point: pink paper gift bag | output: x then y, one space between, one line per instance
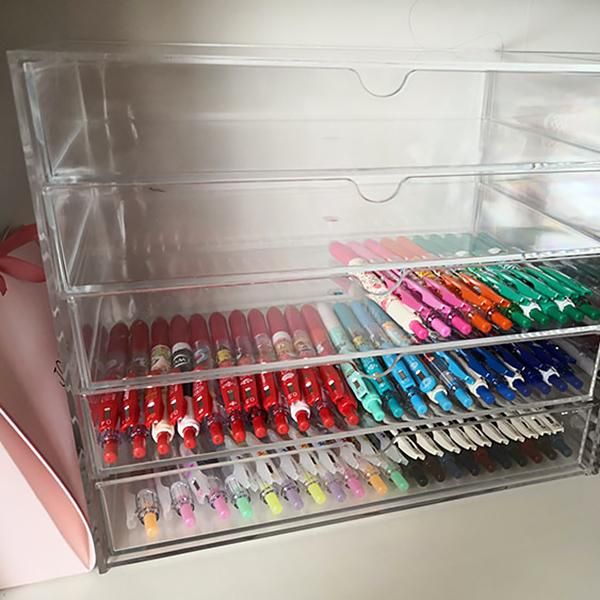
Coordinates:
42 512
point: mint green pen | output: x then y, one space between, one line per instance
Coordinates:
360 386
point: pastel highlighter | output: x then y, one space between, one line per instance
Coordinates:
378 291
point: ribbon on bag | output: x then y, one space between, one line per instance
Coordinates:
17 267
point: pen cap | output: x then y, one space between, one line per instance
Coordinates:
238 433
215 429
186 512
221 507
151 525
281 424
272 501
257 322
276 321
259 427
179 331
218 329
237 324
199 330
480 323
189 437
399 481
302 420
110 450
140 338
163 445
293 497
159 332
442 399
355 486
342 253
138 446
244 506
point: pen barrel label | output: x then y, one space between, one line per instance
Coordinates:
284 346
182 357
302 344
264 348
160 359
224 357
202 355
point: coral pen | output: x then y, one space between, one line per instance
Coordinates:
244 355
271 399
288 380
205 409
228 386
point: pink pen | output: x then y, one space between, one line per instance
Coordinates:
378 292
429 298
428 316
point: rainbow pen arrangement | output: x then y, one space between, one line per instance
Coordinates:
319 476
386 388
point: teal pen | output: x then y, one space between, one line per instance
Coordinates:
363 388
360 339
399 370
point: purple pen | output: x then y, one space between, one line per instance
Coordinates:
429 298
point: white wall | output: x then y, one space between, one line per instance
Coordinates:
515 24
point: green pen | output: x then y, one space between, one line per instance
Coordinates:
562 302
529 308
460 243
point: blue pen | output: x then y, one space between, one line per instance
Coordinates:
399 370
530 375
556 351
453 383
479 368
561 366
548 372
492 362
475 385
427 383
371 366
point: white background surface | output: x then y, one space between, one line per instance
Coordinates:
537 542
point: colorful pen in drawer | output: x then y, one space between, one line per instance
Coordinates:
309 376
271 399
352 457
228 386
473 363
147 507
531 376
289 381
155 413
475 317
549 374
527 306
239 482
548 307
371 366
180 406
399 371
331 379
378 292
564 371
205 409
370 453
471 296
448 379
406 248
131 422
244 355
361 387
180 498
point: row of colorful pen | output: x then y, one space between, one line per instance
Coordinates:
326 474
390 386
433 303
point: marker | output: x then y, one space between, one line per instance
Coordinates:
267 477
361 387
399 371
181 499
155 398
147 507
228 386
208 489
239 482
288 379
269 394
309 377
204 407
244 355
360 341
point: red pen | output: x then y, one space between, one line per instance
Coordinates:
108 407
269 394
130 414
244 355
180 408
228 386
332 382
308 376
154 399
202 397
288 380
